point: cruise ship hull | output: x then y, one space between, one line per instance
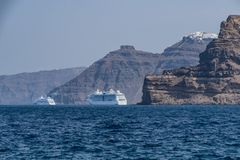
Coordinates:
102 103
107 98
44 101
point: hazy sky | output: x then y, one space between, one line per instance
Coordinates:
52 34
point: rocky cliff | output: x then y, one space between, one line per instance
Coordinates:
24 88
216 80
125 69
185 52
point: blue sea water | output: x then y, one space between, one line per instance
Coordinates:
132 132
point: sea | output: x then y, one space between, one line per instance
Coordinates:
120 133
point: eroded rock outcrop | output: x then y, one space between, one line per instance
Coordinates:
123 69
186 52
216 80
126 68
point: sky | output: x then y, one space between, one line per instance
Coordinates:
53 34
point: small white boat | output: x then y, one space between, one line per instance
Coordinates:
110 97
44 101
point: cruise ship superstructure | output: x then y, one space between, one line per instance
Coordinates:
44 101
110 97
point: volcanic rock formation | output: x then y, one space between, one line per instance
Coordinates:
126 68
216 80
123 70
185 52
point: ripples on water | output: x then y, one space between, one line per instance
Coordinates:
133 132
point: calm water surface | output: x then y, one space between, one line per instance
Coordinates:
133 132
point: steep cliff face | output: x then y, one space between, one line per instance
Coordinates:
24 88
123 69
216 80
186 52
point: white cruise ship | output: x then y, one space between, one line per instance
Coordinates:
44 101
110 97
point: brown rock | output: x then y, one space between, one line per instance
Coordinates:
216 80
126 68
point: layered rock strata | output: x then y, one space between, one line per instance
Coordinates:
185 52
123 69
126 68
216 80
